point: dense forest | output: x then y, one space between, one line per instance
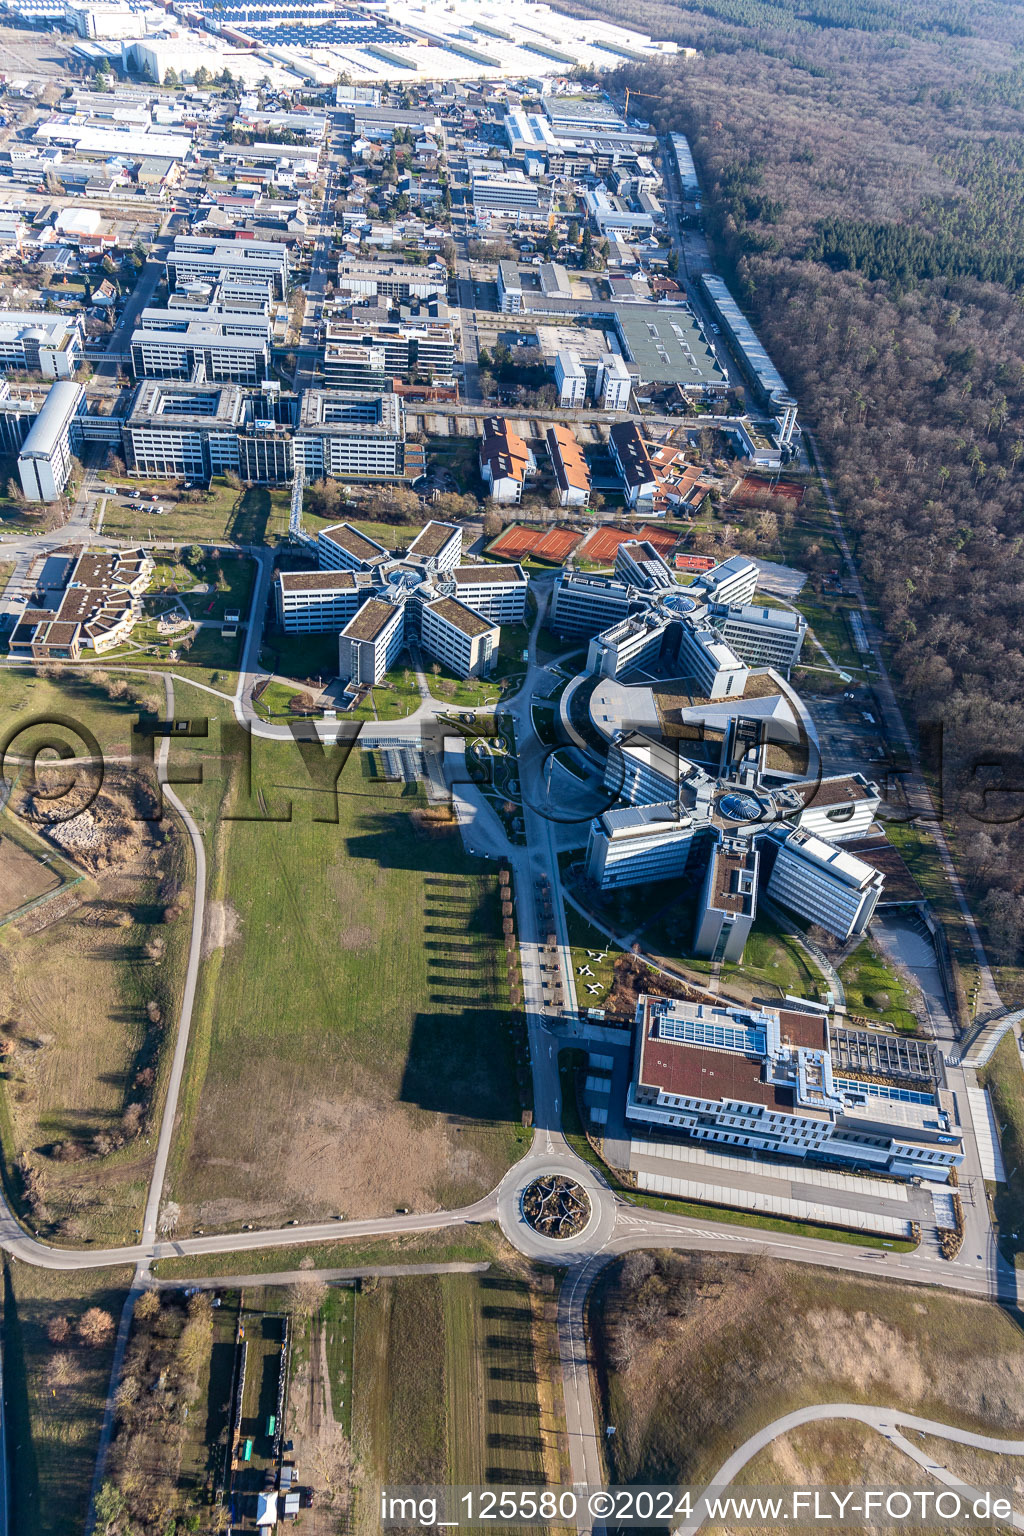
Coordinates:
863 169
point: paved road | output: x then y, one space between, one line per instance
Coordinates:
885 1421
188 997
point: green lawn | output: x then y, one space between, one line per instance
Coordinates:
247 516
79 694
394 698
52 1430
1004 1078
583 937
449 1245
461 692
301 656
209 591
874 989
351 1047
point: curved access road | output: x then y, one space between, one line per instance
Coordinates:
885 1421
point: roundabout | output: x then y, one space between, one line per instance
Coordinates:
553 1207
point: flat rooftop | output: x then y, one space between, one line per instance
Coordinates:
353 542
317 581
460 617
432 539
372 617
483 575
668 346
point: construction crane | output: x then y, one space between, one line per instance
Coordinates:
649 95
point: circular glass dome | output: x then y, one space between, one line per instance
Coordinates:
740 805
680 603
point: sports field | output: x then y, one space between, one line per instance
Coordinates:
350 1050
603 543
553 544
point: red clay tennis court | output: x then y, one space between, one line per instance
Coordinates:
547 544
751 489
603 543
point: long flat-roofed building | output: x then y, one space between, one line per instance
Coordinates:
343 548
211 345
193 259
390 280
765 1079
44 462
827 885
632 845
438 546
732 581
459 637
34 342
585 603
311 602
713 665
763 637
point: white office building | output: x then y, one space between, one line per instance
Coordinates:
44 463
313 602
635 642
764 637
733 582
634 845
585 604
497 592
370 642
193 259
728 904
458 637
771 1081
712 664
838 807
213 347
34 342
510 288
438 546
614 383
640 564
512 193
343 548
825 884
570 380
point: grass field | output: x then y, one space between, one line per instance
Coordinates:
1004 1078
246 516
350 1048
696 1353
868 981
52 1429
445 1246
455 1382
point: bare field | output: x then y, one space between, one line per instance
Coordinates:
88 990
453 1383
350 1050
22 876
697 1353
